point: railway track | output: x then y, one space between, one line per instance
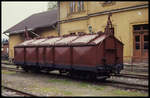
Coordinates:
10 69
18 92
118 84
135 76
145 77
125 85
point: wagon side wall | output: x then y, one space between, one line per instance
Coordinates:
84 58
62 57
41 55
48 55
31 56
19 55
100 54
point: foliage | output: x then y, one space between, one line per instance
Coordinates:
52 5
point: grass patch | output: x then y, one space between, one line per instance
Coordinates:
67 93
48 90
128 93
83 84
96 87
63 81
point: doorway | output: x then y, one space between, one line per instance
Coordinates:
140 43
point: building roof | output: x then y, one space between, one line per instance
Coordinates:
35 21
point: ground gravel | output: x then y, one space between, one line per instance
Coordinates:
48 85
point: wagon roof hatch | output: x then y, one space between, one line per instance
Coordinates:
84 39
26 42
50 41
36 42
99 39
66 40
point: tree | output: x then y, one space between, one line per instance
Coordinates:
52 5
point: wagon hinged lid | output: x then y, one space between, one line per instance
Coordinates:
26 42
102 37
66 40
36 42
84 40
50 41
99 39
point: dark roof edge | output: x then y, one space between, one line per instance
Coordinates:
30 29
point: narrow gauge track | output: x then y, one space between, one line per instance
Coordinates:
135 76
145 77
10 69
113 83
18 92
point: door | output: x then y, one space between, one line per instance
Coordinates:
140 51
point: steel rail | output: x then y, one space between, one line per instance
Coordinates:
138 75
145 77
10 69
18 91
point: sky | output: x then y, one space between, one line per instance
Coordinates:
13 12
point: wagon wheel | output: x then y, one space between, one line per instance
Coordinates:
25 69
35 70
93 76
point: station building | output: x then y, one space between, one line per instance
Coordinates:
129 19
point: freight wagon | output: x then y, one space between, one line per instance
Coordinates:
88 55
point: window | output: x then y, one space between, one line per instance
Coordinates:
108 3
145 27
137 45
140 27
146 41
71 7
80 6
137 27
137 38
145 45
76 6
137 42
146 37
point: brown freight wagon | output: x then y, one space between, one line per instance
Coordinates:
98 54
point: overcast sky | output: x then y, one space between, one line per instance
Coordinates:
14 12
